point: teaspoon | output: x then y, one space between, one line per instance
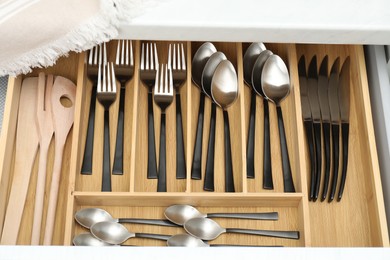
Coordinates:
224 91
256 84
208 229
179 214
198 62
207 76
276 86
249 60
88 216
186 240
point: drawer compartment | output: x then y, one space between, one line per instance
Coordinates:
358 220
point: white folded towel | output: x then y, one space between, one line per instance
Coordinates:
35 33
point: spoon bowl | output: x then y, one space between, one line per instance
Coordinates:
224 85
275 80
186 240
179 214
250 57
86 239
111 232
209 70
199 61
257 71
203 228
88 216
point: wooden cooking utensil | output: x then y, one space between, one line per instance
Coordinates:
45 134
25 151
63 118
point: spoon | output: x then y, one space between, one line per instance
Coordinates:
180 214
250 57
276 86
208 229
115 233
89 216
207 76
256 84
224 91
198 62
186 240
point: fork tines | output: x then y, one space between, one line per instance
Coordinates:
124 54
106 84
163 88
176 59
149 57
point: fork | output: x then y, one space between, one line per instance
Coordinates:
163 96
93 64
106 95
148 72
124 71
177 64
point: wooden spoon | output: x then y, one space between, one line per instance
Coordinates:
25 151
45 133
63 118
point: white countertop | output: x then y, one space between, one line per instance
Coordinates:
298 21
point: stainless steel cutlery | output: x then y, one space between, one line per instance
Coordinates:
325 109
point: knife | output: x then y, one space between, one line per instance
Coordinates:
325 116
307 121
312 82
344 89
335 121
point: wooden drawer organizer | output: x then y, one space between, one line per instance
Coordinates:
358 220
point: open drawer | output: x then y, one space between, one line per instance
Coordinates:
358 220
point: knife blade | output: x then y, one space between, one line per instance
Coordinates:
307 121
335 121
325 116
312 82
344 102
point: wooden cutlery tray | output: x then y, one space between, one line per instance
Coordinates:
358 220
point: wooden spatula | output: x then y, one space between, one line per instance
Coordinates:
63 118
25 152
45 133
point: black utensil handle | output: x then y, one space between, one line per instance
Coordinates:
250 152
152 236
209 175
287 176
152 161
229 178
162 165
267 233
86 167
157 222
117 168
335 142
345 136
317 138
196 168
310 141
106 182
326 129
267 167
180 155
257 216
